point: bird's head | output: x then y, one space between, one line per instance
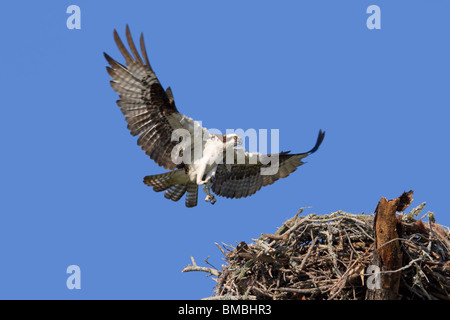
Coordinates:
232 140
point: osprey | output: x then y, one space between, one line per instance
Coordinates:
198 157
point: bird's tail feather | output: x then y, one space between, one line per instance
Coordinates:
159 182
192 194
175 192
164 181
175 184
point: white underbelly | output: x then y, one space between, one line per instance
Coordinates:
206 166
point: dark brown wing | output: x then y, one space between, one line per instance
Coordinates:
243 180
149 110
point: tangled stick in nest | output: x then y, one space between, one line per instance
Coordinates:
327 257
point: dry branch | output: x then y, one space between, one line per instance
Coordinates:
388 255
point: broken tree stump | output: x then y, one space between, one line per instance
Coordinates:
388 254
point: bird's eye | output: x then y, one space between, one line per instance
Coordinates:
235 138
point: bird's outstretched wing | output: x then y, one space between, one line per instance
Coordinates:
243 180
149 110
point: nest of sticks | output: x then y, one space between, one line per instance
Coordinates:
332 257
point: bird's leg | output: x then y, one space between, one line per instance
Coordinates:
209 196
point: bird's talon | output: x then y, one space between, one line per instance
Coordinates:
211 199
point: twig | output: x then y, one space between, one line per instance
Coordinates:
194 267
308 253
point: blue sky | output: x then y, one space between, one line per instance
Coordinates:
71 174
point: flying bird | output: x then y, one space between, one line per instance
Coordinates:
151 115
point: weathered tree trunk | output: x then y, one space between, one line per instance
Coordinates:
388 255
